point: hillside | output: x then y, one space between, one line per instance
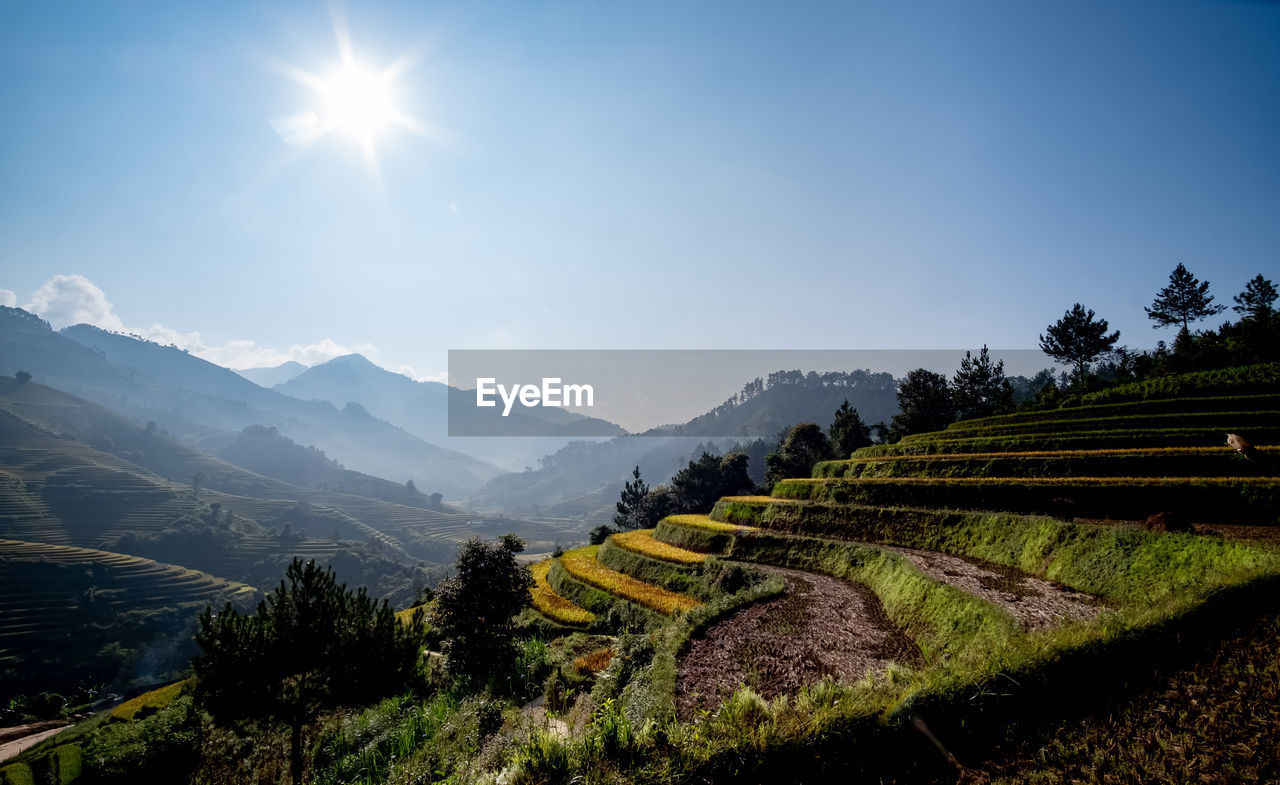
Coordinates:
990 619
204 403
83 475
75 617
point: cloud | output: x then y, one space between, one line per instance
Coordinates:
73 299
243 353
7 297
407 370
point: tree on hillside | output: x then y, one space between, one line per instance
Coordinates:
633 493
848 431
1257 301
980 388
1078 339
410 487
476 609
312 645
23 377
1186 299
924 403
697 486
804 446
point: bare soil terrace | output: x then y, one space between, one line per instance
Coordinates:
820 626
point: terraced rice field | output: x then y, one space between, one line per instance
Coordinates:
641 541
52 590
581 564
552 605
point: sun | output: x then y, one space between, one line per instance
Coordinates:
356 101
351 100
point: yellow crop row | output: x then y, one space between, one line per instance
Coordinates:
703 522
594 662
156 699
641 541
552 605
581 563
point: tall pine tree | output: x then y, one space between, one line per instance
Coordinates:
1078 339
1186 299
980 388
633 494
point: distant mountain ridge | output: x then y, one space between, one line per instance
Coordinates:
208 405
270 376
422 408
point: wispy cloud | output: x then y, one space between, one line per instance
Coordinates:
73 299
442 376
7 297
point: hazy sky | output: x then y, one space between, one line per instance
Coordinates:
653 175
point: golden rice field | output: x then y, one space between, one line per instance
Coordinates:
156 699
641 541
406 616
594 662
552 605
703 522
581 563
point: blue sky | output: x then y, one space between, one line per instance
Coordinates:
654 175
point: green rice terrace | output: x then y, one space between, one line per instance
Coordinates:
920 598
60 601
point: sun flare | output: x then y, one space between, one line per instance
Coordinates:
357 101
351 100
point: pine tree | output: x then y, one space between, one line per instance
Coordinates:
312 645
1186 299
980 388
848 431
924 403
1078 339
1257 301
633 494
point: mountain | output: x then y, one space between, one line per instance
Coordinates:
270 377
578 475
422 408
207 405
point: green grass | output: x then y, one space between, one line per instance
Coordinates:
1215 499
1122 438
1167 462
1126 565
1086 420
1262 378
1219 403
17 774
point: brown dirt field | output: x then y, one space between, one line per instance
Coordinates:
1033 602
821 626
